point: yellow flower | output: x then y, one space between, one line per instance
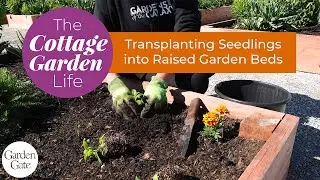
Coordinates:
222 110
211 119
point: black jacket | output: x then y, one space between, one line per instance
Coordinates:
149 15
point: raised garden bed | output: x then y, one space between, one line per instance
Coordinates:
141 147
21 21
209 16
157 137
144 147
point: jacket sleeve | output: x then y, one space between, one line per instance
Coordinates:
105 11
187 16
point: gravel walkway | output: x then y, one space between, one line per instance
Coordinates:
9 34
305 89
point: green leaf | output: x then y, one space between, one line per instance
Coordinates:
155 177
87 153
102 148
276 14
210 132
137 178
138 97
85 144
96 155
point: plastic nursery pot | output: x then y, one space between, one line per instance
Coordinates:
254 93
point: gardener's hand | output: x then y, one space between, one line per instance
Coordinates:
123 100
156 98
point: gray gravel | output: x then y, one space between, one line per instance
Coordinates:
305 103
9 34
305 89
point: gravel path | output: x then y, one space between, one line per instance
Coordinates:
305 89
305 103
9 34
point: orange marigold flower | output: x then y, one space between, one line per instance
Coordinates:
211 119
222 110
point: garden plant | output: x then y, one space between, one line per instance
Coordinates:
275 15
17 97
210 4
106 144
84 137
34 7
214 122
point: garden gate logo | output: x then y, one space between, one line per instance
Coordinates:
20 159
67 52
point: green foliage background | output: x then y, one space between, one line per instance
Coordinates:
3 10
275 15
31 7
19 101
210 4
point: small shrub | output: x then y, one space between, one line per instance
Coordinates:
54 4
17 97
14 6
15 94
275 15
3 2
210 4
87 5
35 7
31 7
240 8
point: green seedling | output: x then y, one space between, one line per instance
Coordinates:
89 152
155 177
138 97
102 148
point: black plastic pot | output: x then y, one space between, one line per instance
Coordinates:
254 93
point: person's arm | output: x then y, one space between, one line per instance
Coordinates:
110 77
187 16
105 11
164 76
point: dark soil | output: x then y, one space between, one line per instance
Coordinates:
138 147
315 30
